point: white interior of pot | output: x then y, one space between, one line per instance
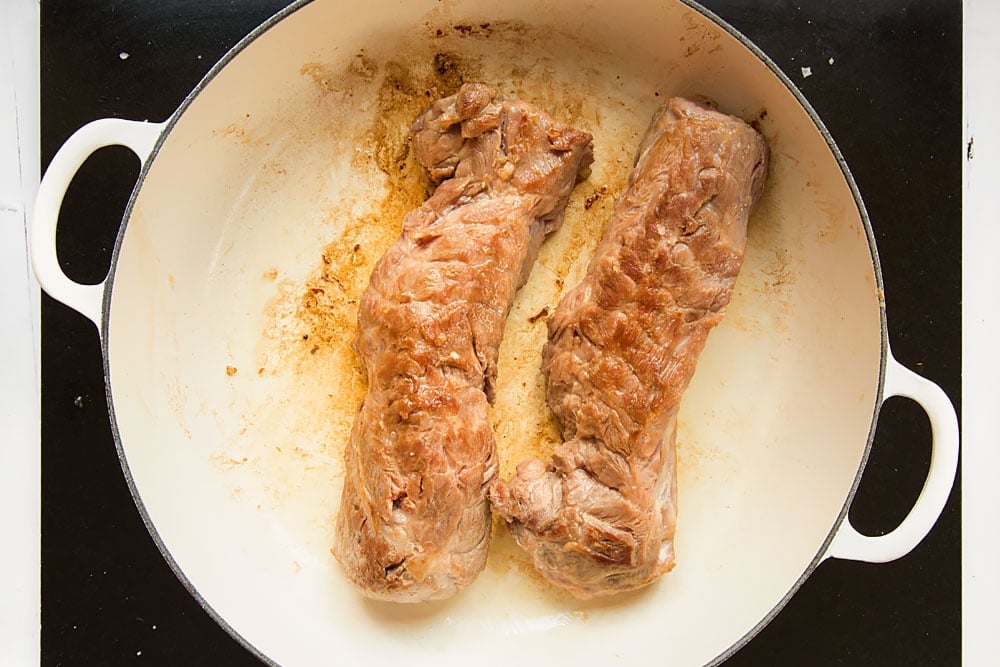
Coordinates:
282 171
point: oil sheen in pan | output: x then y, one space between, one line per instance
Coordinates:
286 455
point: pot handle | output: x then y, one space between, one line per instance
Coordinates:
138 136
848 543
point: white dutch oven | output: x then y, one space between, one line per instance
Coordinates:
285 172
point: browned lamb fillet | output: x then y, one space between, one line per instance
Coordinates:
414 520
599 519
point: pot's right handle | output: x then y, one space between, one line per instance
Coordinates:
138 136
848 543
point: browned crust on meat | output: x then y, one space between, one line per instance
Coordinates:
600 518
414 521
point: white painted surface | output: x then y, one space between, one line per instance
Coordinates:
981 330
19 338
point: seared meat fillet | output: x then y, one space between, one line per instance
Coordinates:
599 519
414 520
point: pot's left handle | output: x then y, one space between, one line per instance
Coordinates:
138 136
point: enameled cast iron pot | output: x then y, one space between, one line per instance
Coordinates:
262 204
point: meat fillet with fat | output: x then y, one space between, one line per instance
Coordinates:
600 517
414 521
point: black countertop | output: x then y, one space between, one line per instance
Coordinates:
892 100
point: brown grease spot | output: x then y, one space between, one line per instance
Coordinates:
544 312
592 198
403 94
757 121
321 75
363 66
241 134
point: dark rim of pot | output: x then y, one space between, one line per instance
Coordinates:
291 9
